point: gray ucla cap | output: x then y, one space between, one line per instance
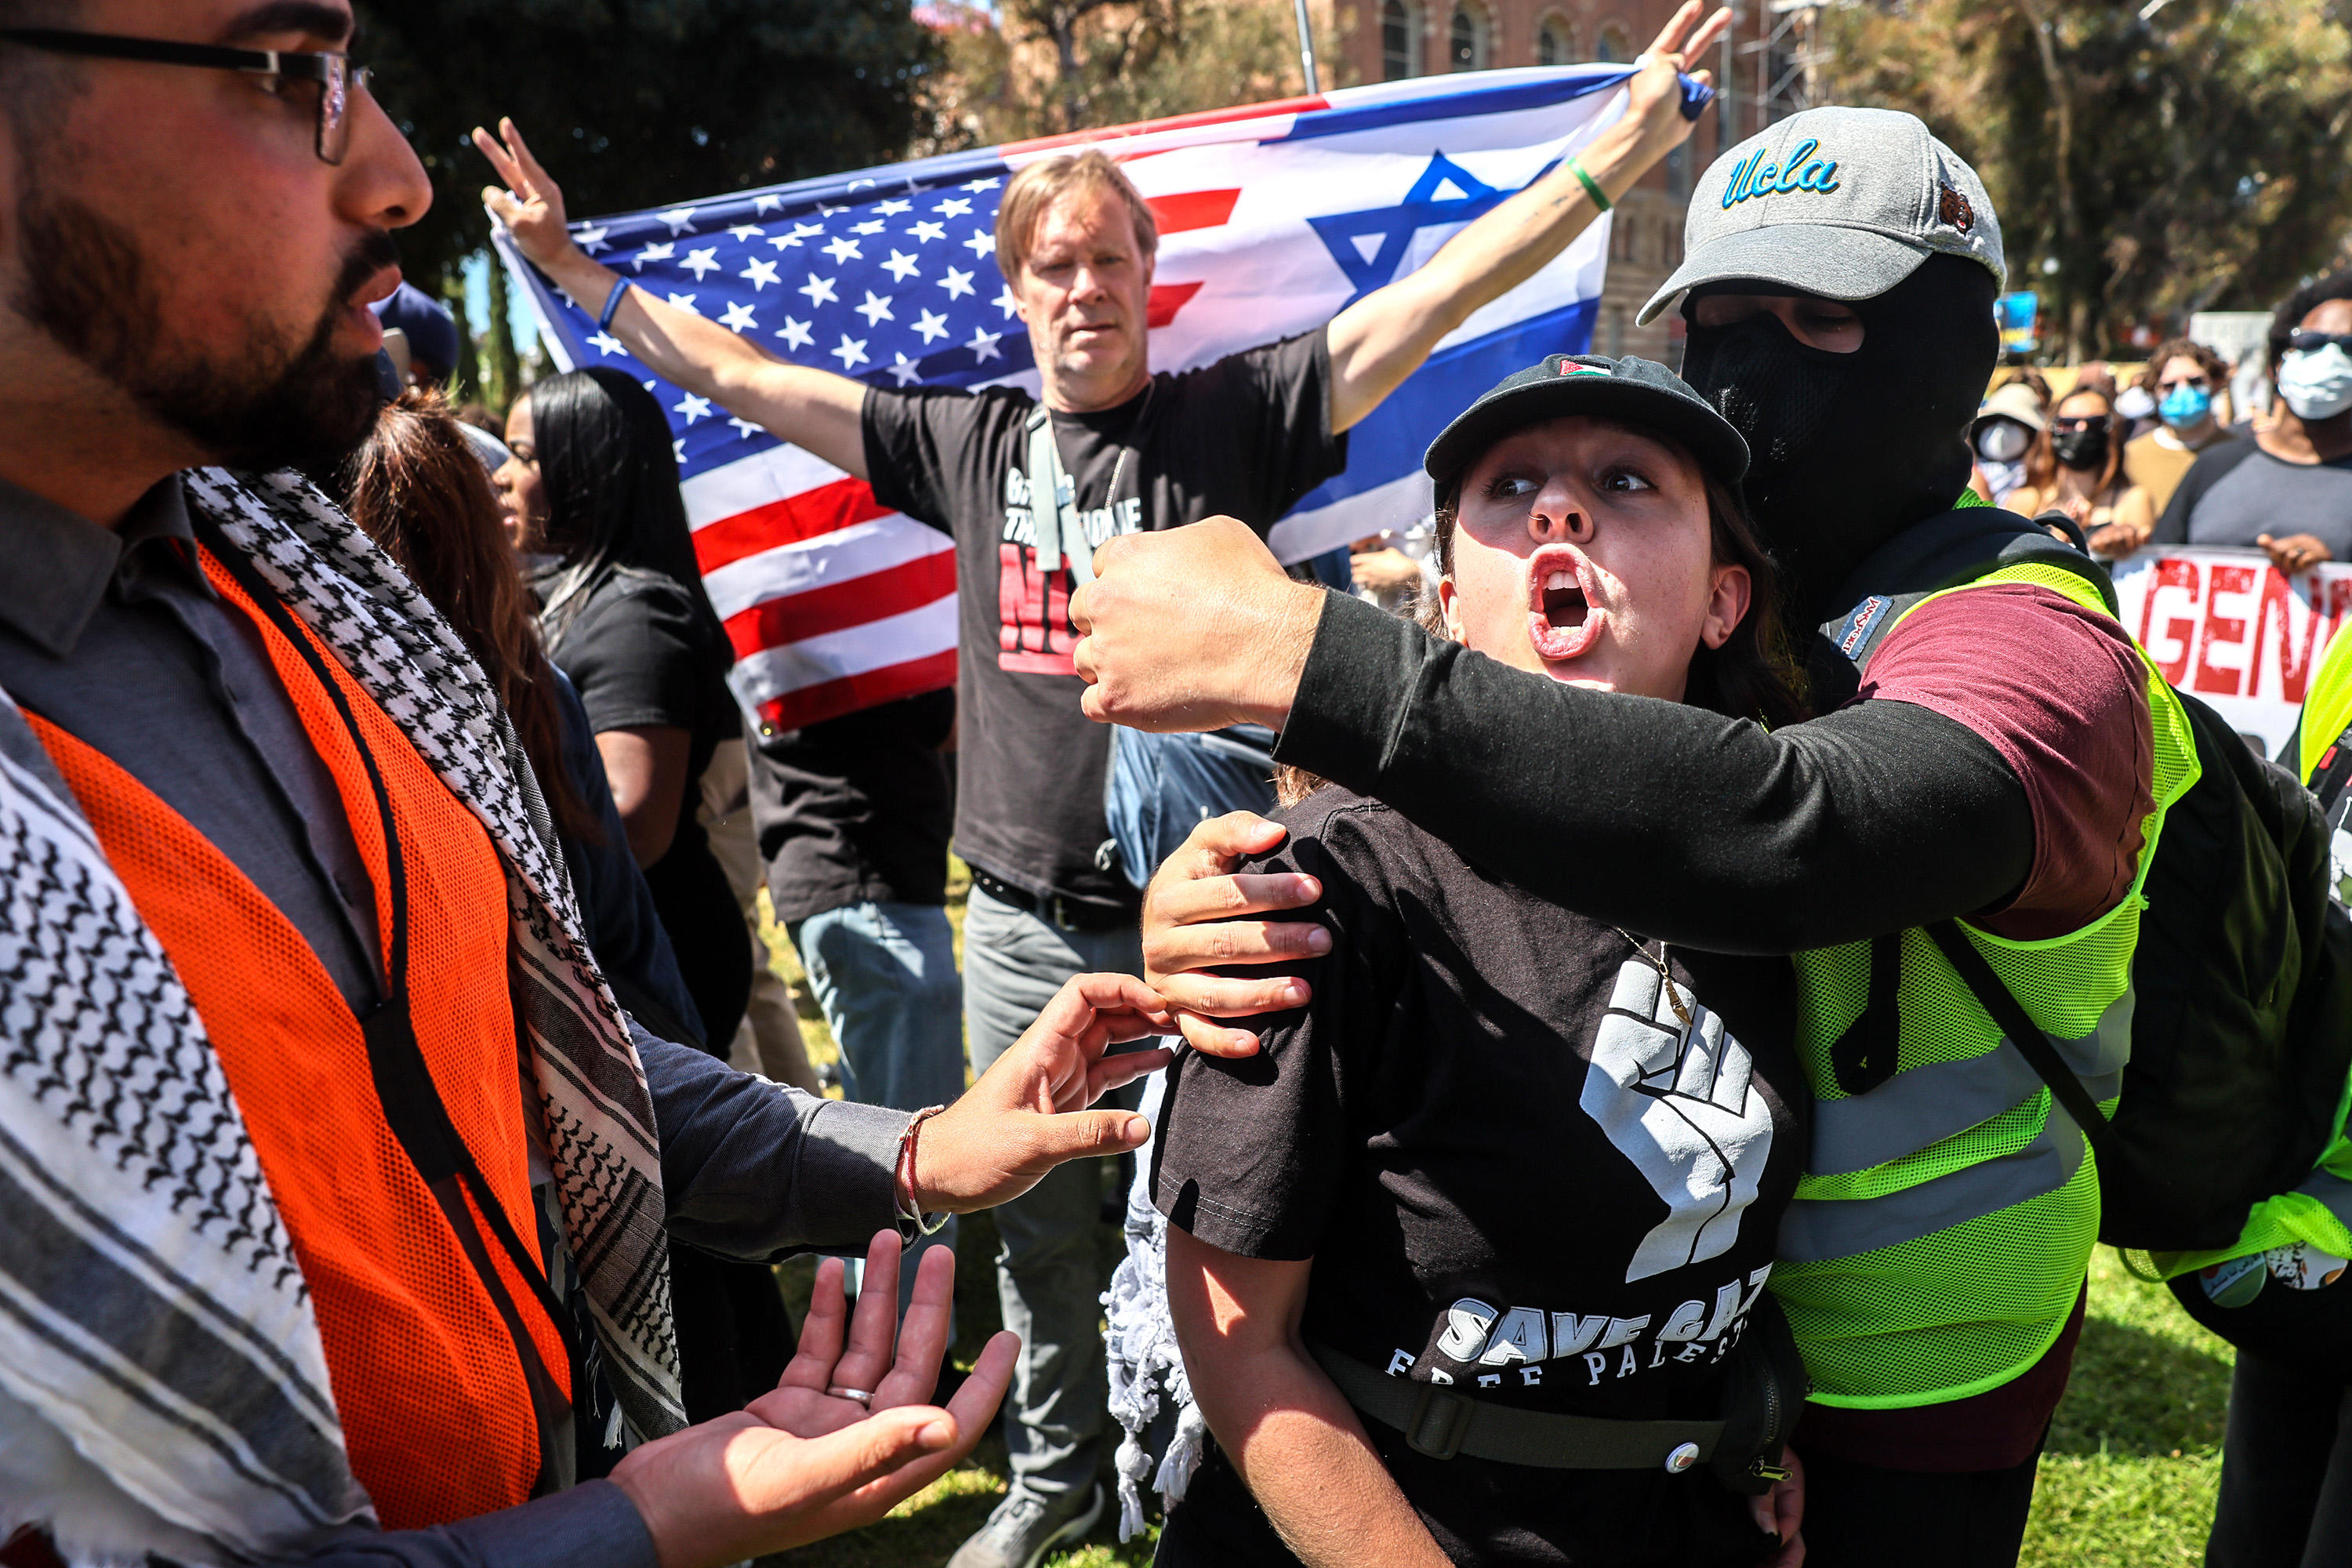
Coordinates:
1843 203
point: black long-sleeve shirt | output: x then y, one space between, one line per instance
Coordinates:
1716 833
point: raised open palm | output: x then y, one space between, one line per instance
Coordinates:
847 1435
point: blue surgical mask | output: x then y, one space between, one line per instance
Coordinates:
2317 385
2184 406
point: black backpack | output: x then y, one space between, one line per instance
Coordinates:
2242 1031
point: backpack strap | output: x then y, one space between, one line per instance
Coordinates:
2334 769
1961 546
1869 1051
2023 1031
1860 630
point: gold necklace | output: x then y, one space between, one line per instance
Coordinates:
1665 977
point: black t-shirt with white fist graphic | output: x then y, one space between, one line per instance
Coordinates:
1518 1171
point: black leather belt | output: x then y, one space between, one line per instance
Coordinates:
1069 914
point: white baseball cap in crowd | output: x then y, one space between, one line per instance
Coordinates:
2016 401
1843 203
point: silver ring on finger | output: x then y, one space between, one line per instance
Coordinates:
861 1395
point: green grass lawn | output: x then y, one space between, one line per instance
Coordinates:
2127 1481
2135 1451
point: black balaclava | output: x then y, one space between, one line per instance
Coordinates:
1851 449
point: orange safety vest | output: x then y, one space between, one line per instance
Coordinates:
449 1372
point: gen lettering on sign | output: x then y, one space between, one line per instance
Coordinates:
2230 628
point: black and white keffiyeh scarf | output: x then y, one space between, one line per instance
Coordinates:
151 1312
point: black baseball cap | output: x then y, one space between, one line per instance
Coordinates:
1636 391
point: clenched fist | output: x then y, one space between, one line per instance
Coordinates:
1192 629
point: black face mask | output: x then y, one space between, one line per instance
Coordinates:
2081 451
1851 449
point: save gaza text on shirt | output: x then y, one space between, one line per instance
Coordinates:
1477 1335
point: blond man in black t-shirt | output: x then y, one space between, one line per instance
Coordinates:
1246 436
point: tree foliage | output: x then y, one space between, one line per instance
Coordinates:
634 102
1040 68
2186 159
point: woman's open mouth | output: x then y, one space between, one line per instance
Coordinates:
1561 620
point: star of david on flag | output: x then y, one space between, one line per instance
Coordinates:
1273 218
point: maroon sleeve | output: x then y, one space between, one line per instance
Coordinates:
2061 694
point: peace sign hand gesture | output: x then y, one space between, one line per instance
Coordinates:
532 204
1656 88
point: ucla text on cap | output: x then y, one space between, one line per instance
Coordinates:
1756 174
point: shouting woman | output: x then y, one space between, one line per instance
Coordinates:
1467 1263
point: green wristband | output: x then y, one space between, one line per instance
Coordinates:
1591 186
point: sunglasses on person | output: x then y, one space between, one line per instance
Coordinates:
2078 421
331 73
2303 341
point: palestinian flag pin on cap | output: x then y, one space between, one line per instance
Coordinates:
1569 368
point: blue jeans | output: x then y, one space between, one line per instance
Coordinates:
1049 1272
885 975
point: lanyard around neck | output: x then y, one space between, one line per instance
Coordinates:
1054 495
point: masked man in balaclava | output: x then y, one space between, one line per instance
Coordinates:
1993 764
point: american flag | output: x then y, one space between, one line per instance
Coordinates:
1273 218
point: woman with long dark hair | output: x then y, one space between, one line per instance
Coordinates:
419 488
591 489
594 484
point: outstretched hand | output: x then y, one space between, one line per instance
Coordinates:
531 204
808 1460
1028 1112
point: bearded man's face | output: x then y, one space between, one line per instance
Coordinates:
280 395
178 260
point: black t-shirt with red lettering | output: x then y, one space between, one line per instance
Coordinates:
1518 1171
1244 437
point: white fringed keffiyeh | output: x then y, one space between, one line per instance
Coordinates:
152 1314
1147 1369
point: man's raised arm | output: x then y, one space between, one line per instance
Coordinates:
1384 337
813 409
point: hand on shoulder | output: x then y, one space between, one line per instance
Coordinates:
1200 914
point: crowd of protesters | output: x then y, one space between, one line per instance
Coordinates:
2176 464
1618 1071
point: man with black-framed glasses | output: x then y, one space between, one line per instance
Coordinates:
2289 491
334 1184
322 78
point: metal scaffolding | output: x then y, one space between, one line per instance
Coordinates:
1786 56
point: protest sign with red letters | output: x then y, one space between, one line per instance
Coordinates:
2230 629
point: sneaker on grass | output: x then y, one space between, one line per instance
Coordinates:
1025 1527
